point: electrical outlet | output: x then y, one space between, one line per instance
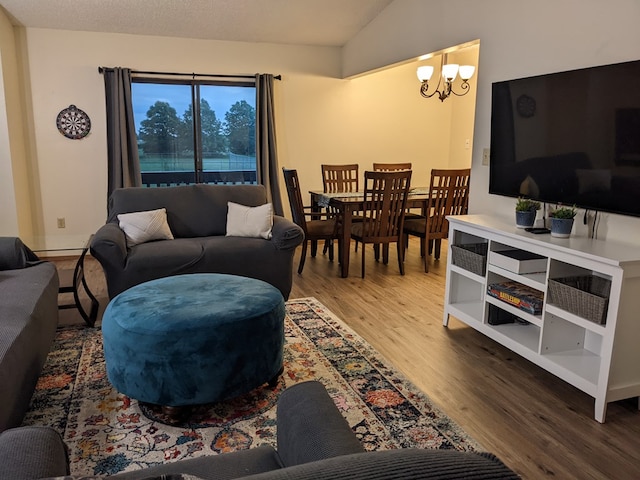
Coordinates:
467 144
485 156
61 222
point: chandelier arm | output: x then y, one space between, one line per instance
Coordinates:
424 87
465 87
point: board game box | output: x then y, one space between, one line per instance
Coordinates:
520 296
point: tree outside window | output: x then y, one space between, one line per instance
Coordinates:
213 143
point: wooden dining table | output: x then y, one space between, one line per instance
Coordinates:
348 203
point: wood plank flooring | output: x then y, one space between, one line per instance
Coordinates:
537 424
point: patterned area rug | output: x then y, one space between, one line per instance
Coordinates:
107 432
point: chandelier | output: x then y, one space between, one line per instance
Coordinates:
449 73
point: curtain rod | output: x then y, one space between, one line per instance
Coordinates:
277 77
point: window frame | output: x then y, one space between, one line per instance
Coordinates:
195 84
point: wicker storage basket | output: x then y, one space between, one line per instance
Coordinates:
586 296
472 257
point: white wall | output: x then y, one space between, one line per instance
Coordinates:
321 118
8 213
389 121
517 39
14 166
73 174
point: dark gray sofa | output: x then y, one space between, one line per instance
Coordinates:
313 439
28 320
197 216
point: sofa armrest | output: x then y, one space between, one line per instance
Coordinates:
310 427
401 463
32 452
14 254
109 246
285 234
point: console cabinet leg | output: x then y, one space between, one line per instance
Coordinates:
600 410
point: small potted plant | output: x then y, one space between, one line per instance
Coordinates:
526 210
562 221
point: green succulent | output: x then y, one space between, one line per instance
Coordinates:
527 205
563 212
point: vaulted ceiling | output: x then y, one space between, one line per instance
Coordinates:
297 22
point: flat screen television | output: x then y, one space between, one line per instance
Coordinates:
570 137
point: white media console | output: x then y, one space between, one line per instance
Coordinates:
601 359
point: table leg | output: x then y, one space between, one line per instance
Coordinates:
346 241
315 208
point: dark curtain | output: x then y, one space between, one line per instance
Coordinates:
122 144
266 154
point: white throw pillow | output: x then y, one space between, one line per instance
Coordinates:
140 227
243 221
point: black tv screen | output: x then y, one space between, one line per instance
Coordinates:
570 137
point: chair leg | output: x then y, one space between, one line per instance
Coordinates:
303 256
426 257
329 244
363 249
400 248
326 247
426 263
385 253
376 251
436 251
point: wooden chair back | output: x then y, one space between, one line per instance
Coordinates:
340 178
449 191
385 200
390 167
316 225
295 198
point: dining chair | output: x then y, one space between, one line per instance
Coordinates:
390 167
314 228
385 200
449 195
340 178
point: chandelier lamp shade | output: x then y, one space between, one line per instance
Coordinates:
449 73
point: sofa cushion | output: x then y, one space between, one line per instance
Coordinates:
141 227
29 313
160 259
243 221
35 452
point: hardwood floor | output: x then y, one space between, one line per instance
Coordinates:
537 424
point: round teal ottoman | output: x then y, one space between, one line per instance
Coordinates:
194 339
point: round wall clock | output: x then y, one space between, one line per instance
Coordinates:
526 106
73 123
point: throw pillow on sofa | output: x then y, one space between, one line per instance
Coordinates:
141 227
243 221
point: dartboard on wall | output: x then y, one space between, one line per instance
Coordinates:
73 123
